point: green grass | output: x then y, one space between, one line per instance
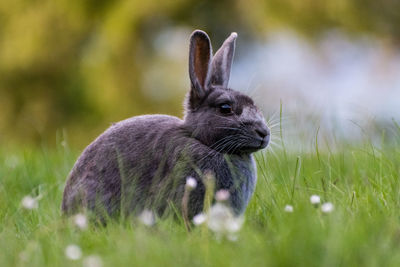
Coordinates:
362 181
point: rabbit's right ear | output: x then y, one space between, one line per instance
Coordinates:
200 55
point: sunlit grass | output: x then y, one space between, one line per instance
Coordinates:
362 228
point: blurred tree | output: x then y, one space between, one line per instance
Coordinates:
81 64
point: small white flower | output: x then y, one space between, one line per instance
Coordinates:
219 214
222 195
234 224
29 203
80 221
327 207
73 252
289 208
147 217
92 261
199 219
222 220
315 199
191 183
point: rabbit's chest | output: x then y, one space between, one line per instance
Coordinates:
238 175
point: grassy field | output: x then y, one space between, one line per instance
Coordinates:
362 182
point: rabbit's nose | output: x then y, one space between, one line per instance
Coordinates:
262 131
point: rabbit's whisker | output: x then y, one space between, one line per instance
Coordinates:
222 143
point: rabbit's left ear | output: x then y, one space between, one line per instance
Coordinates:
200 55
222 62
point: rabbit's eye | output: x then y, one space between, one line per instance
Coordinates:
225 108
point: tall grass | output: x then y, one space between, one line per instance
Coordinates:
362 182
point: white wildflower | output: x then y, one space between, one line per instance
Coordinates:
191 183
289 208
199 219
147 217
235 224
222 220
29 203
219 214
327 207
80 221
222 195
92 261
73 252
315 199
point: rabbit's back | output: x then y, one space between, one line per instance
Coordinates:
130 149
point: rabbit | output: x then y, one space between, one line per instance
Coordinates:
143 162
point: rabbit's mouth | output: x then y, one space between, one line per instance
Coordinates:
255 145
265 141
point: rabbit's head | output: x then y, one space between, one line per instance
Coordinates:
219 117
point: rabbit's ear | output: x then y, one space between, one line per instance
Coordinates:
200 55
222 62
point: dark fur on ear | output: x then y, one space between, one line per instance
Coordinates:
222 62
200 55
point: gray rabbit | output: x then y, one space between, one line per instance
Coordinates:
143 162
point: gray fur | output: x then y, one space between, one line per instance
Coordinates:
143 162
222 62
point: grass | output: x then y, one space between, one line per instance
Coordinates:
362 181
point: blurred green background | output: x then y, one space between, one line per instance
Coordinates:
70 68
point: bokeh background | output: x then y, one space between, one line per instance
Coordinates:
68 69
